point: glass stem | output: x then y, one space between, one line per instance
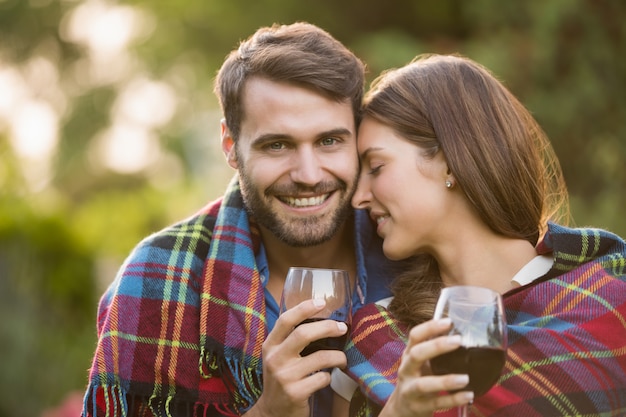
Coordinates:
312 404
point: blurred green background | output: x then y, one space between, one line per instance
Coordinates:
109 131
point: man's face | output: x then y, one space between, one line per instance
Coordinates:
297 160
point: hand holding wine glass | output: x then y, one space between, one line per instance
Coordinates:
478 317
331 285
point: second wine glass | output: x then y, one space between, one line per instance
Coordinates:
477 315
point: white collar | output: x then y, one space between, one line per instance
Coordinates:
537 267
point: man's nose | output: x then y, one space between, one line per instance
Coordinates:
307 167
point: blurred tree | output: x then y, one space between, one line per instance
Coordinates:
47 301
563 60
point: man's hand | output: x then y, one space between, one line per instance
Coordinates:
288 378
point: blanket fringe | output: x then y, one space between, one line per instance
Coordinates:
113 399
208 363
243 378
249 381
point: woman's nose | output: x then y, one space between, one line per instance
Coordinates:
362 196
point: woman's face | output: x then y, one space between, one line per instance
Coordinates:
404 191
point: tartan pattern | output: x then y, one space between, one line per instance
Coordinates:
168 336
233 349
373 360
567 337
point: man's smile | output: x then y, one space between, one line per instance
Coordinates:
304 201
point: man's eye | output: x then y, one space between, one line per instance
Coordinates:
329 141
276 146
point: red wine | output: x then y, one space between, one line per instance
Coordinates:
326 343
482 364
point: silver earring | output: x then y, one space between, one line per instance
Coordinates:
448 184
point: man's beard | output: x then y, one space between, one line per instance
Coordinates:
299 231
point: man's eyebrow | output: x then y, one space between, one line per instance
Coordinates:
269 137
340 131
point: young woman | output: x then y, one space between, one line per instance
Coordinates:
458 174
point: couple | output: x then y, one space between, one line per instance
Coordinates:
454 176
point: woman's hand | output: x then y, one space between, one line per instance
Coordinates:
419 393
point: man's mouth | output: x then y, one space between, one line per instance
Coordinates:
301 202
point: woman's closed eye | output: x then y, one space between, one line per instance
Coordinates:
375 169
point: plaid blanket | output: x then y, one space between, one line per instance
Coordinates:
567 338
156 346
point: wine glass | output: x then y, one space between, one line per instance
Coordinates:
331 285
478 316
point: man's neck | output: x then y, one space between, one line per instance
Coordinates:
336 253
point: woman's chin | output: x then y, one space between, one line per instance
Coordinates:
393 253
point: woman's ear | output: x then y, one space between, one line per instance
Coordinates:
228 145
450 180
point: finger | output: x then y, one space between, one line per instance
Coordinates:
426 385
429 330
453 400
425 405
291 318
303 388
285 360
323 360
288 353
415 357
316 336
301 372
424 394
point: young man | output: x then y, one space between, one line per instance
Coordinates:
184 326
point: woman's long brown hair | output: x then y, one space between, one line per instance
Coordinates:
498 154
